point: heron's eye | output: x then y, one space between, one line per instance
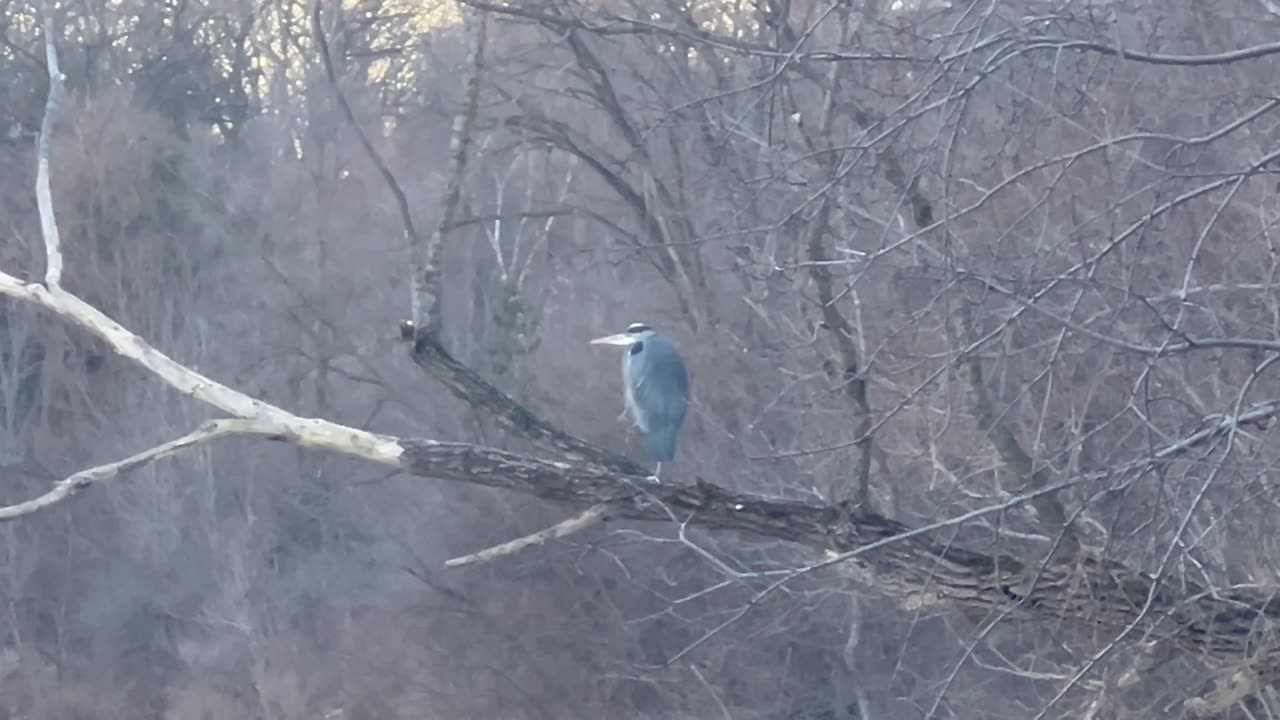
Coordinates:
636 348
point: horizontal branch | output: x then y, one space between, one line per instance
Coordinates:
612 24
908 563
64 489
1255 52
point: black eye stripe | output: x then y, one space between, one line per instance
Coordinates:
636 347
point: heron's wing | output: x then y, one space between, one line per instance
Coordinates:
662 391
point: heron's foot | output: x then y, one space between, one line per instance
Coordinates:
654 477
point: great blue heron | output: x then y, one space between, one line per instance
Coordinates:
655 385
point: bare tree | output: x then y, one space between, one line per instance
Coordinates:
978 300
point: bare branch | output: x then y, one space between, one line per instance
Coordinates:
908 564
402 201
309 432
852 371
998 429
469 386
426 254
504 217
44 192
611 24
73 484
425 295
1228 57
591 516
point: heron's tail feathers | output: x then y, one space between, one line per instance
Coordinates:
661 444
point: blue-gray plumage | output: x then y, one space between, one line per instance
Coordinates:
656 387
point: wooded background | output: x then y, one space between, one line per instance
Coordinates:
922 258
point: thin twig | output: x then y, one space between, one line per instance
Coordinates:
425 296
998 428
402 201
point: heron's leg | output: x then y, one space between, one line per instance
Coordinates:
656 471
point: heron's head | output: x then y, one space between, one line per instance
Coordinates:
636 332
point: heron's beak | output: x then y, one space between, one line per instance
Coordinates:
621 339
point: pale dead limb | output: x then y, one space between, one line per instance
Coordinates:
309 432
64 489
267 419
44 193
591 516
